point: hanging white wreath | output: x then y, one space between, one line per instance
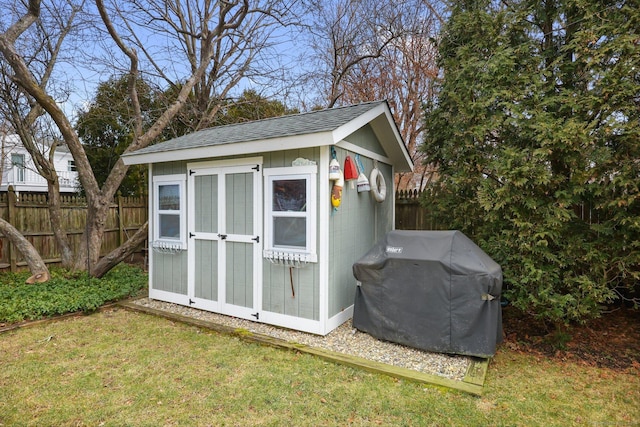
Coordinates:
378 185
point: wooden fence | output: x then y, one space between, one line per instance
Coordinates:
410 214
29 213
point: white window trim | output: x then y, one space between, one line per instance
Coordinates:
180 181
19 167
290 254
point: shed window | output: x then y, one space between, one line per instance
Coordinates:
290 213
169 207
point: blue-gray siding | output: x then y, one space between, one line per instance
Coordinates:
278 280
353 229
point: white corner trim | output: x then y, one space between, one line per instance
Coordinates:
339 319
324 210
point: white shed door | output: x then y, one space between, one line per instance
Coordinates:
224 239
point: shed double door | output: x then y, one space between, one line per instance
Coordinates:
224 239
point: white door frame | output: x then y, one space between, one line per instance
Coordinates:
221 168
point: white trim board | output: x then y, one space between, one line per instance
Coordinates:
364 152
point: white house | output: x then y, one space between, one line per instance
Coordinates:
19 171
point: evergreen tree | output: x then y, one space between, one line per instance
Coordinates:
250 106
536 134
106 129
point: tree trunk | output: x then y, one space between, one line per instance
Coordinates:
39 270
119 254
88 252
55 216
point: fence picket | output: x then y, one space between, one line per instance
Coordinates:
29 213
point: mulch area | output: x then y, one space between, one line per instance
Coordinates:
612 341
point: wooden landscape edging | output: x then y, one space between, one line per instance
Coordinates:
473 382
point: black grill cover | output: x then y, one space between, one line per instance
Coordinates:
432 290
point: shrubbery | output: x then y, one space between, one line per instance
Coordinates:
65 293
536 134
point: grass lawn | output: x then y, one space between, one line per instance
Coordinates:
117 368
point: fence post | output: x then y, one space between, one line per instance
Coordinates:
120 220
11 201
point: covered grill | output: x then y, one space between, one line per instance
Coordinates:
431 290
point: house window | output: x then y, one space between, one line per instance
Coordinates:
290 213
17 161
170 214
71 166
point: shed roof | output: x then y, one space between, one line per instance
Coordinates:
312 129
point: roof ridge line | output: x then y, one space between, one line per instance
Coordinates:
342 107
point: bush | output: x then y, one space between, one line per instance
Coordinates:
535 135
65 292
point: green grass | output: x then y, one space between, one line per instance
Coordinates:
65 293
118 368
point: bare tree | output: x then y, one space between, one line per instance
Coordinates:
344 34
32 102
38 268
40 46
202 49
388 55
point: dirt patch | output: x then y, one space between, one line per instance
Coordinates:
612 341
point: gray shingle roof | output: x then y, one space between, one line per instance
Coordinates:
296 124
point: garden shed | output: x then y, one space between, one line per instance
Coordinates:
244 219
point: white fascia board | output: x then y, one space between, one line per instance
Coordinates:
386 131
232 149
348 128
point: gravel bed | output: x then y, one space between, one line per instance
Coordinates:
344 339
